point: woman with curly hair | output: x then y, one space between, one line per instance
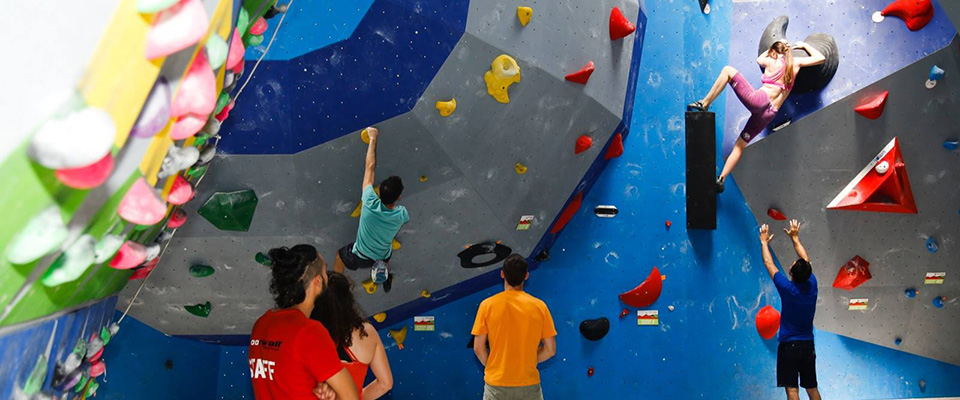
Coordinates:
357 342
291 356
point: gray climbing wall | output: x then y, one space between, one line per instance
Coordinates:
471 193
801 168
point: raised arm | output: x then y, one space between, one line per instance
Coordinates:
794 233
371 162
380 367
480 348
815 57
765 237
547 350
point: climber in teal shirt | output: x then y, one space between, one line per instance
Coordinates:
380 220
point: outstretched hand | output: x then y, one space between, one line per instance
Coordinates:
765 235
372 132
794 229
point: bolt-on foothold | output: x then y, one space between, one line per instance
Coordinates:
590 371
897 341
939 301
425 293
668 224
936 73
524 14
873 107
582 75
423 178
624 312
932 245
520 168
369 286
380 317
910 292
504 71
951 144
584 142
446 107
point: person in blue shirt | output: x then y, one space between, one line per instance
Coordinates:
380 220
798 296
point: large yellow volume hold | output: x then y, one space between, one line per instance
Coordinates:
524 14
447 107
504 71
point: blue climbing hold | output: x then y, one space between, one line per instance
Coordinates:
911 292
932 245
939 301
897 341
951 144
936 73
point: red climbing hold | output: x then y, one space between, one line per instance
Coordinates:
567 213
872 190
259 27
145 270
616 147
852 274
668 224
590 371
624 313
87 177
583 75
584 142
776 214
768 322
874 107
645 293
177 220
620 26
181 191
915 13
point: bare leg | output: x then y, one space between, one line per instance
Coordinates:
793 393
733 158
338 264
726 74
814 394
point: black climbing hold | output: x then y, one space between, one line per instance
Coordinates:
479 249
606 211
595 329
543 256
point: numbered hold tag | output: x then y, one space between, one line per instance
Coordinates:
858 304
606 211
648 317
934 278
423 323
524 224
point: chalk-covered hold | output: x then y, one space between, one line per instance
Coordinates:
504 71
142 204
177 28
42 235
915 13
72 264
79 139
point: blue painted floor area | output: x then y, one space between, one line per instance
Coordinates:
868 51
310 25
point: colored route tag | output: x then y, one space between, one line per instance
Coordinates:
934 278
858 304
525 222
648 317
423 324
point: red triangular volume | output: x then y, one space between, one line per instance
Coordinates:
915 13
584 142
616 147
583 75
852 274
567 213
646 292
874 107
620 26
873 191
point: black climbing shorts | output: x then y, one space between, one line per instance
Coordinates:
797 358
353 261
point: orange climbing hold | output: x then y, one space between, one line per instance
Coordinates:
87 177
768 322
646 293
915 13
776 214
873 190
581 76
567 213
852 274
620 26
873 107
616 147
584 142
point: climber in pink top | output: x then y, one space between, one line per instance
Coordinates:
780 69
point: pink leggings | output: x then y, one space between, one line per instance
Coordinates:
757 102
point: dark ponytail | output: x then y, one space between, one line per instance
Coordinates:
292 269
784 51
337 310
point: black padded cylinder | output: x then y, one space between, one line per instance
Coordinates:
701 170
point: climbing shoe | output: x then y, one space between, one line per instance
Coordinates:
720 181
379 272
388 285
696 106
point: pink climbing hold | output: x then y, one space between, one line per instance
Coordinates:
141 205
177 219
186 126
620 26
181 191
915 13
584 142
581 76
235 55
616 147
87 177
768 322
198 90
98 368
776 214
130 255
259 27
873 108
177 28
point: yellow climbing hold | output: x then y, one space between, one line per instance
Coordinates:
447 107
425 293
504 71
369 286
395 245
399 336
364 136
380 317
423 178
524 13
520 168
356 211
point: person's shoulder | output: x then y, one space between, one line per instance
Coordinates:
369 329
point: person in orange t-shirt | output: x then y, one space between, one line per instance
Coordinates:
521 334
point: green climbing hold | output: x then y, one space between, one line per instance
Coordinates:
105 335
74 261
37 376
152 6
222 102
243 20
200 310
263 259
201 271
92 390
216 51
42 235
230 211
82 383
201 139
196 172
255 40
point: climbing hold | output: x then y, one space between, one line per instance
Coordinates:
263 259
142 205
369 286
130 255
198 91
590 371
939 301
936 73
620 26
910 293
889 192
624 312
216 49
646 293
852 274
524 14
255 40
873 107
915 13
423 178
395 245
106 248
223 114
186 126
668 224
259 27
568 212
178 159
364 136
768 322
243 20
108 332
155 112
87 177
82 383
399 335
42 235
152 6
932 244
380 317
595 329
94 348
36 378
922 383
604 211
200 310
177 218
581 76
776 214
222 102
425 293
520 168
230 211
235 55
897 341
276 9
446 107
584 142
951 144
704 7
670 307
504 71
72 263
499 251
77 140
201 271
64 380
97 368
206 156
177 28
144 270
882 167
616 147
181 191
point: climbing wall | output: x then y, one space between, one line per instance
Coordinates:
296 143
803 167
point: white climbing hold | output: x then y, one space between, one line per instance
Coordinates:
882 167
81 138
877 17
106 248
74 261
178 159
42 235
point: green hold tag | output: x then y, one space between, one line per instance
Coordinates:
222 102
263 259
230 211
152 6
200 310
201 271
216 51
